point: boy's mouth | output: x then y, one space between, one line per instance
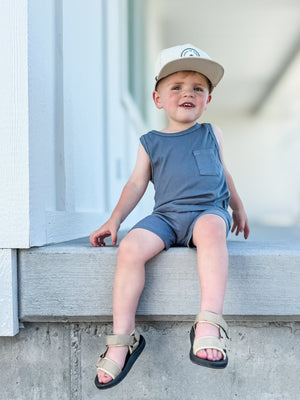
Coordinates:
187 105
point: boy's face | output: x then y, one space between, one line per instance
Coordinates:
183 95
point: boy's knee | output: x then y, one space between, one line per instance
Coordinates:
211 227
128 250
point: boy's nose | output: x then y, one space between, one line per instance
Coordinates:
189 93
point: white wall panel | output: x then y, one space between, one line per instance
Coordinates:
85 98
14 171
68 121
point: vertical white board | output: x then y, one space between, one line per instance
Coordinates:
9 323
14 150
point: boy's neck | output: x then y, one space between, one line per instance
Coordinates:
173 128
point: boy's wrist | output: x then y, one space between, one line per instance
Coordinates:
116 218
237 206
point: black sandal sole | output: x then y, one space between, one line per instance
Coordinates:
130 360
201 361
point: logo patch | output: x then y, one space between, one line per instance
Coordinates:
189 52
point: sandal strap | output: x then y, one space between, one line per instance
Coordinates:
209 342
108 366
119 340
213 319
132 341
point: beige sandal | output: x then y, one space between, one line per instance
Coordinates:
209 342
135 343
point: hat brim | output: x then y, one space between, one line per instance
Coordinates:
211 69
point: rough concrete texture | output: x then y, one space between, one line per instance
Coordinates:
57 361
64 281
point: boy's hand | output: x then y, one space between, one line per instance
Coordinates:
110 228
240 223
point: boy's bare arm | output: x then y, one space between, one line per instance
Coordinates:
239 216
130 196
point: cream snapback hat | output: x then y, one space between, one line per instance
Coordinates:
187 57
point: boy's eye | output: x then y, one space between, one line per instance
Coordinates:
176 88
198 89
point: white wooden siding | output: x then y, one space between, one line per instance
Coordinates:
14 171
9 324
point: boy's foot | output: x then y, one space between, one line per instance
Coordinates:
116 354
121 353
208 347
203 329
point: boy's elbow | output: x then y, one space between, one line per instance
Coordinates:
138 186
228 177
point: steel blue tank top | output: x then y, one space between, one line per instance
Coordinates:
187 170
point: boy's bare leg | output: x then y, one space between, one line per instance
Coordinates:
209 236
135 250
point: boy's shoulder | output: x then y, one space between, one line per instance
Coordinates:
217 131
214 128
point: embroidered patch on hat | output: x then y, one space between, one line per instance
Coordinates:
189 52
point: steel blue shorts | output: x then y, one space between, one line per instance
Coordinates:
176 228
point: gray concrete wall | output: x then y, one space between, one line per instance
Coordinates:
56 361
63 304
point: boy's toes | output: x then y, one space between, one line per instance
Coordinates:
103 377
210 354
215 355
202 354
219 356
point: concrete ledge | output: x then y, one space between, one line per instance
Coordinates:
73 281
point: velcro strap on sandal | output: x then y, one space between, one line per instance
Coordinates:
132 341
109 366
119 340
209 342
213 319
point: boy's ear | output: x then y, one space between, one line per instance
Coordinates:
208 101
156 99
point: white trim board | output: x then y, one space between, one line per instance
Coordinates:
9 323
14 149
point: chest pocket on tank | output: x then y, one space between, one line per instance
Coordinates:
207 162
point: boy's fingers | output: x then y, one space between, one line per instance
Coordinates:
100 242
93 239
102 237
246 231
233 227
97 238
114 238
